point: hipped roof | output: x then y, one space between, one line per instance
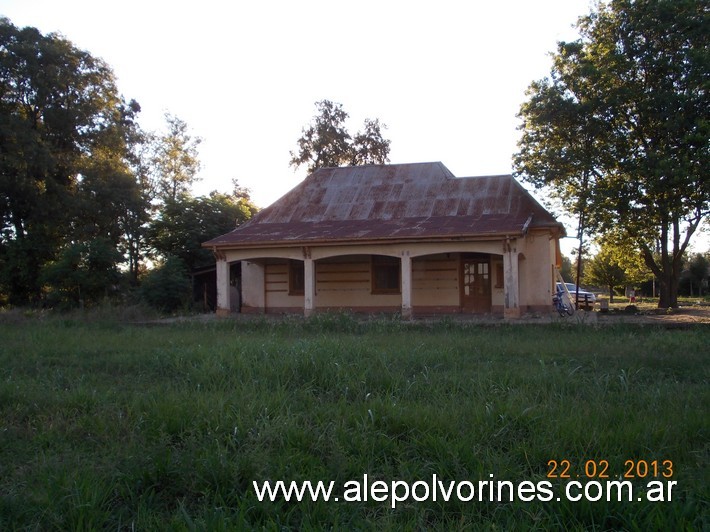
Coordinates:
391 202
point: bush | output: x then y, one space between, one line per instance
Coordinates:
84 273
167 287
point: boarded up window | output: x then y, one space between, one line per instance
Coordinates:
296 278
385 275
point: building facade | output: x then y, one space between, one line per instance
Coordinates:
409 238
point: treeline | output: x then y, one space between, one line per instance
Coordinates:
87 197
618 268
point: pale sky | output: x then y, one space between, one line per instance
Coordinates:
447 76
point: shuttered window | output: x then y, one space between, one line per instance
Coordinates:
296 278
385 275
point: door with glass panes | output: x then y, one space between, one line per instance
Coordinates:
476 289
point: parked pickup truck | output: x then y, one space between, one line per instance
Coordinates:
586 299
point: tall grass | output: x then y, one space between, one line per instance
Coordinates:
109 426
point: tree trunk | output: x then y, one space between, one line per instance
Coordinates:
668 271
664 292
134 262
675 277
661 274
611 294
579 253
668 281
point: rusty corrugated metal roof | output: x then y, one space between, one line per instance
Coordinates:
399 201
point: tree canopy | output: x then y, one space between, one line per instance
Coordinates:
83 189
175 159
620 130
698 273
604 270
326 142
63 136
184 223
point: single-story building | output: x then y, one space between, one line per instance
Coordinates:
409 238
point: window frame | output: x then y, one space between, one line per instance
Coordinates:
390 264
296 277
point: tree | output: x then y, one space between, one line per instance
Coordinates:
628 255
183 224
141 206
177 234
633 94
176 159
369 146
107 190
566 269
559 145
605 270
698 272
83 273
61 120
167 287
327 143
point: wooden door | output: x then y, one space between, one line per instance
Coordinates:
476 289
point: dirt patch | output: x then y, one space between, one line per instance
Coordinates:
683 315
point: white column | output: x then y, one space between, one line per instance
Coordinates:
406 285
511 298
309 287
223 303
253 286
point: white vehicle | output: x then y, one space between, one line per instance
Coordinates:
586 299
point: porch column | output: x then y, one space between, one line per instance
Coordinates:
309 287
511 298
223 300
253 286
406 285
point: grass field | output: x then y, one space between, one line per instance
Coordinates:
118 427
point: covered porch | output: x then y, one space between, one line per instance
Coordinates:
411 278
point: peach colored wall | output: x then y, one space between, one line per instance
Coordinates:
343 280
435 280
534 272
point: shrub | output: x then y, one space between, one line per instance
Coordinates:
167 287
84 273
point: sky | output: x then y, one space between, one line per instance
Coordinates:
446 77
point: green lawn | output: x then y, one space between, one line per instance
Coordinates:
120 427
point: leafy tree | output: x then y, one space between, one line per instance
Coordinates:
167 287
61 122
635 87
698 272
177 234
566 269
183 224
176 159
558 148
83 273
106 189
605 270
627 254
369 146
327 143
142 205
